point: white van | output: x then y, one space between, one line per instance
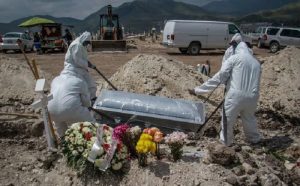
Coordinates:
190 35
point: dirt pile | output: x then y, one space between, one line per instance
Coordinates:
16 81
280 88
17 93
159 76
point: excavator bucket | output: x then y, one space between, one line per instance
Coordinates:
109 45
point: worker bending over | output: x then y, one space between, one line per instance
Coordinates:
74 88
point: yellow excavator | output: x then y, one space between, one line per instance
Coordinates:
111 33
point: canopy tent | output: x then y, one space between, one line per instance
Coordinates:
35 21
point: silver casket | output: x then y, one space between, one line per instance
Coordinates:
174 114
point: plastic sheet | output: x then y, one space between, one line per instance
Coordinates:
96 148
159 111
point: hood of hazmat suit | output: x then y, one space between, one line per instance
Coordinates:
73 89
242 73
215 81
76 62
231 50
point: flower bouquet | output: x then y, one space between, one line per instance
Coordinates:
108 150
143 147
131 138
77 143
93 142
157 136
175 141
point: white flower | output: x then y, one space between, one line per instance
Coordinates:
117 166
70 147
66 138
79 141
85 154
86 130
86 124
75 126
74 153
108 139
135 130
123 156
80 149
93 139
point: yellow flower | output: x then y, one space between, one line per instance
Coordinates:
146 137
145 144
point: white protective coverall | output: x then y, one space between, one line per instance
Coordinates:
242 73
73 89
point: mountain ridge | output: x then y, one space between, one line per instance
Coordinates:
244 7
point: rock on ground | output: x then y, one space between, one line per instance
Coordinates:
221 154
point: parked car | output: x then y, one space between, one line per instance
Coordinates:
189 36
10 42
276 38
268 33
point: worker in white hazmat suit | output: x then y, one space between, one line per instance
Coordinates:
242 73
74 88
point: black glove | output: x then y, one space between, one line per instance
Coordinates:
93 100
192 92
90 65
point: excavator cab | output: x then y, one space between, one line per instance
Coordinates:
111 33
110 28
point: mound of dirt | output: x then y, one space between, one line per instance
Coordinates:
159 76
16 81
17 94
280 82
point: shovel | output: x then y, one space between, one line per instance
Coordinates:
90 65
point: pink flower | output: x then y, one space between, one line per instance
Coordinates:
119 131
176 137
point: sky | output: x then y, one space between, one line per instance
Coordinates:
14 9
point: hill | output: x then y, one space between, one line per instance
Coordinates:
141 15
288 15
244 7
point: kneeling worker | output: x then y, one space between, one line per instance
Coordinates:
74 88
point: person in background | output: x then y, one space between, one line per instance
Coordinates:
68 37
74 88
37 42
204 68
241 74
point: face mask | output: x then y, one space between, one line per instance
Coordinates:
234 45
